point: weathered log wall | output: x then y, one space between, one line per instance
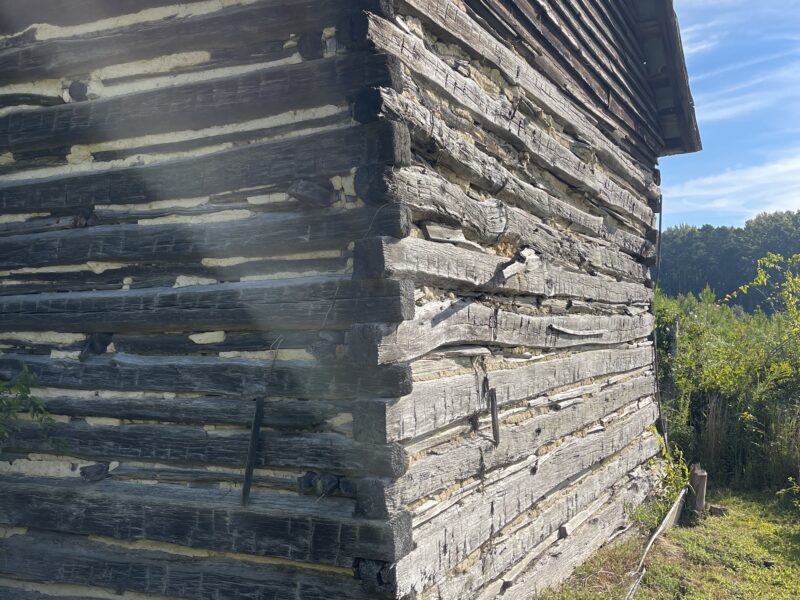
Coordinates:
419 230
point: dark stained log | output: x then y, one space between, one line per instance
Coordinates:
302 303
267 163
223 30
211 375
465 322
17 16
92 563
443 145
437 403
261 235
499 115
322 344
451 21
278 413
477 455
444 265
194 106
430 197
160 275
7 100
46 224
293 527
175 445
13 593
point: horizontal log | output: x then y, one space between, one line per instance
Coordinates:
469 322
294 527
433 138
185 445
592 531
86 562
501 562
430 197
500 116
18 16
464 458
278 413
473 519
260 235
437 403
302 303
452 21
19 593
224 376
224 30
449 267
266 163
321 344
239 98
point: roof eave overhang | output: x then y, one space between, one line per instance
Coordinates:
660 39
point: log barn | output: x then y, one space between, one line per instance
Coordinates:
329 299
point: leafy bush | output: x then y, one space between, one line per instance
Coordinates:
16 399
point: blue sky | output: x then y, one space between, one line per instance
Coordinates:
744 65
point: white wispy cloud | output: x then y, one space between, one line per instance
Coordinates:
745 191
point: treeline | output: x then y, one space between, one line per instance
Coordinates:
724 258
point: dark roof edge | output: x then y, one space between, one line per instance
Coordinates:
660 35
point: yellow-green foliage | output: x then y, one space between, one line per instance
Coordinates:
16 398
731 382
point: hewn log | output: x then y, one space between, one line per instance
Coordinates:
451 21
278 413
225 30
511 552
257 236
274 524
194 106
443 145
470 322
431 197
441 402
449 267
499 115
302 303
461 526
185 445
465 458
266 163
211 375
86 562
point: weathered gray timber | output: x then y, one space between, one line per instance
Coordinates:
381 267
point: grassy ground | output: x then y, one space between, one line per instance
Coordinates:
752 553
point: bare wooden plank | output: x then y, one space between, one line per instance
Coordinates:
220 101
433 138
86 562
456 322
186 445
260 235
431 197
449 267
475 456
499 115
294 527
452 21
437 403
302 303
205 410
267 163
473 519
229 29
